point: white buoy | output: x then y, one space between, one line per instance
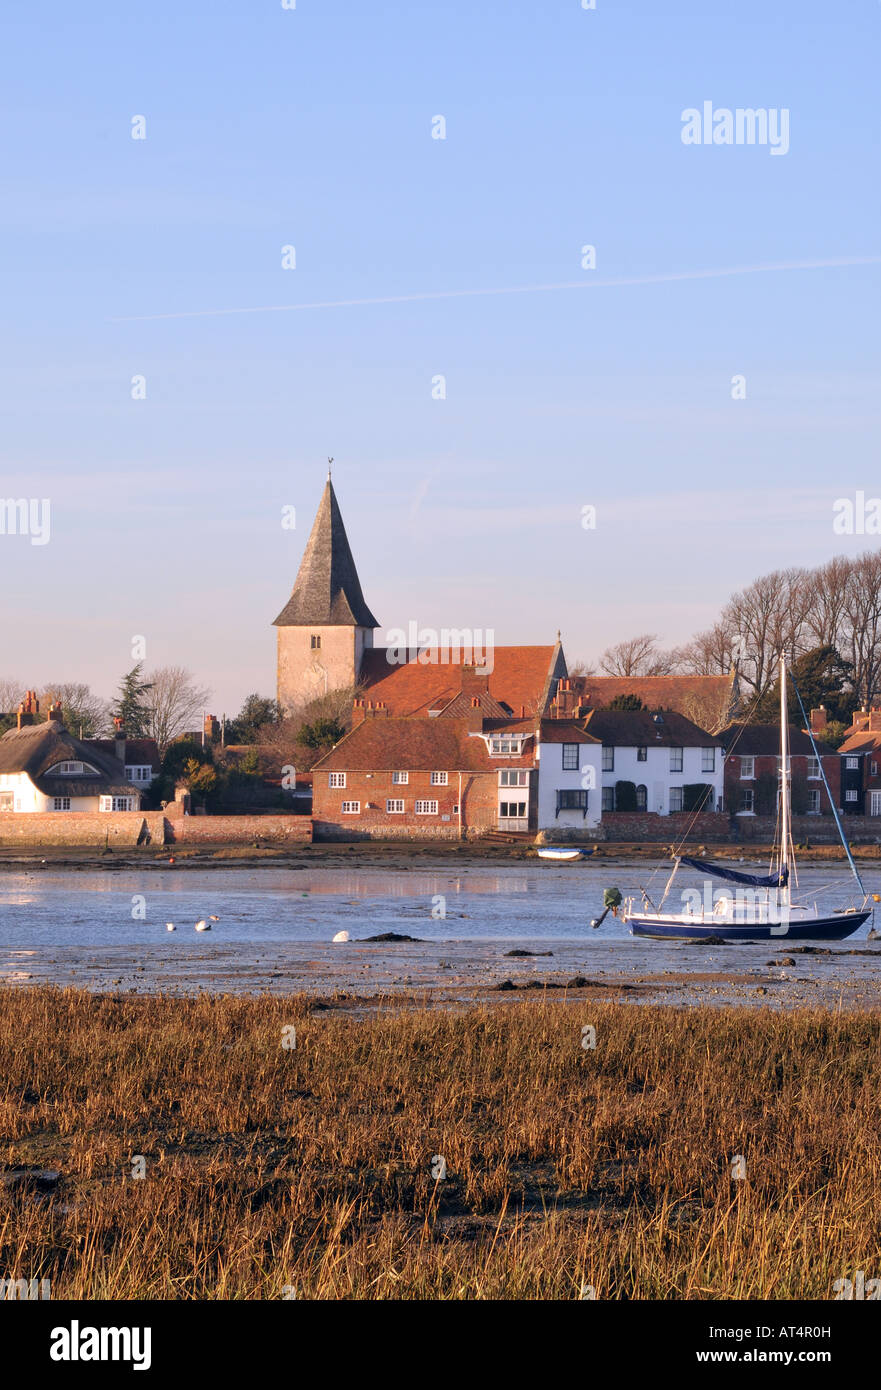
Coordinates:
169 926
202 926
342 936
212 918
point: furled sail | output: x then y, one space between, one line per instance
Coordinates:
775 880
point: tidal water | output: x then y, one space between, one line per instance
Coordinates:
45 908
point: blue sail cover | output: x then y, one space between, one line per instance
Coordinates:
778 880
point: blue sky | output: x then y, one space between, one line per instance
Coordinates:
312 127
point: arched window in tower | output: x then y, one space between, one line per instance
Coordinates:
315 642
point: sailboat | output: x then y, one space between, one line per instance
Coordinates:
762 906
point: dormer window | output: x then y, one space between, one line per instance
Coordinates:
506 745
72 769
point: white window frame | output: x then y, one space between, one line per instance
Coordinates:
747 767
63 806
426 808
608 758
439 779
814 776
336 781
749 810
514 777
394 806
350 808
708 760
813 801
113 803
519 811
676 792
875 803
852 764
677 759
850 795
506 745
400 779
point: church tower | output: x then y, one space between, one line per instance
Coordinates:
325 625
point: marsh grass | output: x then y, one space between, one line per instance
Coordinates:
311 1168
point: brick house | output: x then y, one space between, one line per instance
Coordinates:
752 771
860 755
459 774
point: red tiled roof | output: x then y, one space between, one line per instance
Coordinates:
519 677
386 744
863 741
705 699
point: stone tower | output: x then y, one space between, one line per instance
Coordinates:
325 625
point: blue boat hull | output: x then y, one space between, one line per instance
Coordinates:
834 928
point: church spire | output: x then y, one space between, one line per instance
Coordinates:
327 592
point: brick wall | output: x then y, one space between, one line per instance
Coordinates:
235 830
647 825
82 828
818 829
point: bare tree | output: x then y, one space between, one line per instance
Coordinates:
11 695
176 703
638 656
863 618
84 713
710 653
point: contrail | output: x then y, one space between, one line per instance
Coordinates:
587 284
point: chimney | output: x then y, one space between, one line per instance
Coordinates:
56 712
471 683
474 718
119 740
874 721
211 729
359 712
819 720
565 700
28 709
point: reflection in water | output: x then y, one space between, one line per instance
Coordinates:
94 908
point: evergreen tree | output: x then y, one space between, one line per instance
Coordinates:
130 706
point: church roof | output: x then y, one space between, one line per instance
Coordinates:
327 592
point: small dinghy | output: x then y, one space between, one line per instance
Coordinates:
563 852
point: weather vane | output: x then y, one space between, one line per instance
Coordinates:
329 462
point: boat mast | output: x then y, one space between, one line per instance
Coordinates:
784 778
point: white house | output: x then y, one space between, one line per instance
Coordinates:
664 755
569 776
44 768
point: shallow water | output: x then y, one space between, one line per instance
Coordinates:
520 904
